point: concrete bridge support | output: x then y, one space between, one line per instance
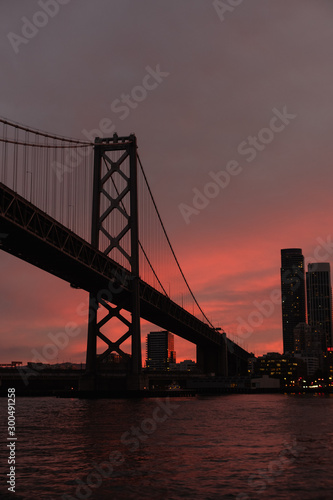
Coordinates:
213 359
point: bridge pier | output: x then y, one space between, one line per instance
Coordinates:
112 383
87 383
137 382
213 359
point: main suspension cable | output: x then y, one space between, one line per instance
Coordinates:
169 243
43 134
47 146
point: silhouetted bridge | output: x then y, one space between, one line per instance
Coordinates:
108 267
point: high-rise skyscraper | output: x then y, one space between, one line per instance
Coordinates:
319 300
160 350
293 294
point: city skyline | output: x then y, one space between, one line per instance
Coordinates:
234 146
306 301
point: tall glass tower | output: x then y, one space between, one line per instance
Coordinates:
160 350
319 300
293 294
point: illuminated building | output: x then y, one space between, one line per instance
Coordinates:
308 347
307 338
160 350
293 294
279 366
328 364
319 301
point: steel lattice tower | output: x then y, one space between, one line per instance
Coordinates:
108 201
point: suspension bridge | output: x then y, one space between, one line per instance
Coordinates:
84 212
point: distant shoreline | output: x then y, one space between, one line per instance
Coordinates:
76 394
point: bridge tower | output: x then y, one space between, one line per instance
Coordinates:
115 230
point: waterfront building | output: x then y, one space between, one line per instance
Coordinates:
319 301
293 294
308 347
287 368
300 332
328 365
187 365
160 350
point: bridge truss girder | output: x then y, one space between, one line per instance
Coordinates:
30 234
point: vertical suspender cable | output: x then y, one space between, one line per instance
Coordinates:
169 243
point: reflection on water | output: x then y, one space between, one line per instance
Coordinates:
224 447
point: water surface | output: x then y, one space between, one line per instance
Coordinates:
223 447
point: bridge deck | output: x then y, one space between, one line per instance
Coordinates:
32 235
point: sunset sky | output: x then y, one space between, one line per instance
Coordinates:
244 95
